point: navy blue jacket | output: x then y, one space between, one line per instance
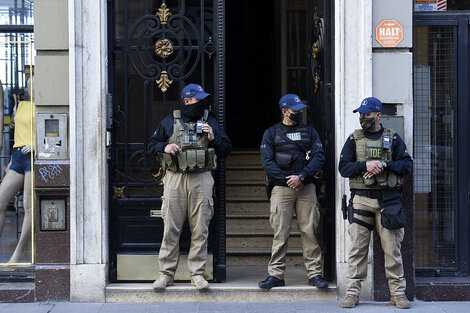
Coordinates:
401 163
267 148
159 140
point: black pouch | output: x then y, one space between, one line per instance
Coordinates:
269 186
283 160
392 211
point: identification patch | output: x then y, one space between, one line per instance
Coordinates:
374 153
189 139
294 136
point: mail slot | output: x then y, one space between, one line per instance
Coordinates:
52 136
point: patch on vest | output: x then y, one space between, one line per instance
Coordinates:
374 153
189 139
294 136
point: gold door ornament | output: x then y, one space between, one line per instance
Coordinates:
163 48
163 13
164 82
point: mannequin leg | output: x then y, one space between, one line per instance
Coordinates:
26 227
12 182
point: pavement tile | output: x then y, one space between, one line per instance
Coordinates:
26 308
178 307
222 307
454 307
130 308
71 307
271 307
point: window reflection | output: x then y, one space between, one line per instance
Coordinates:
16 12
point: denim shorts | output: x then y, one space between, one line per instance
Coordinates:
20 163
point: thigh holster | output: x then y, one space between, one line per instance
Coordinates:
352 219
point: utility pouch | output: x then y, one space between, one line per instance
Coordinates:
283 160
392 211
269 187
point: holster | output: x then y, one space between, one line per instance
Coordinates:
352 211
269 186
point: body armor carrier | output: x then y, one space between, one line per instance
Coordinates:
288 155
373 149
196 156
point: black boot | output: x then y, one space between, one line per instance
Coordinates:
271 282
318 282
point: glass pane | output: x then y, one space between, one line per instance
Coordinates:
16 246
296 83
434 90
458 5
14 12
296 38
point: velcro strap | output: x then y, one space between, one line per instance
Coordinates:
364 224
364 213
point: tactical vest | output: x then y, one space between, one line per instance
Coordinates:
369 150
288 155
196 156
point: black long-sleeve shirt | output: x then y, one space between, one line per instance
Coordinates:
268 154
401 163
159 140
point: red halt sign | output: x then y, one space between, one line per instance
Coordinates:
389 33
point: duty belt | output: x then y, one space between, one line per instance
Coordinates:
373 194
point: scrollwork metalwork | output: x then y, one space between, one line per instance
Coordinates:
317 49
165 47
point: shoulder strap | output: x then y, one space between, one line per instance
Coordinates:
177 114
206 114
358 134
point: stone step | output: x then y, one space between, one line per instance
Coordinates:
261 207
245 188
244 157
258 239
260 260
217 292
252 221
260 256
245 172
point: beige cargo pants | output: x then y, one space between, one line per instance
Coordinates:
358 255
186 195
284 202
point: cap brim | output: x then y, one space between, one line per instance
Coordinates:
298 107
202 95
362 110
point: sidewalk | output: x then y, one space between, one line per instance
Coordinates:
231 307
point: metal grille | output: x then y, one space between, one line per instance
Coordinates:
434 142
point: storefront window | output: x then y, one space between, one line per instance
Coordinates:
16 116
458 5
434 146
16 12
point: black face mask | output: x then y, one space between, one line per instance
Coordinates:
367 122
194 111
296 117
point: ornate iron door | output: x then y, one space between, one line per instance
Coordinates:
155 48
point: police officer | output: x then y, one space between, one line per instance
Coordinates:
189 139
292 154
375 160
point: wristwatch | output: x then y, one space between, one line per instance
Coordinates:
384 164
301 178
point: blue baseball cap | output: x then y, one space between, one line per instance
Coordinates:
368 105
291 101
194 90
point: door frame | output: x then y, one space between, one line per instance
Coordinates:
460 20
217 227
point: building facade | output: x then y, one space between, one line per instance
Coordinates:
106 72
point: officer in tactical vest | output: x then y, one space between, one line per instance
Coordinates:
375 160
189 140
292 154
